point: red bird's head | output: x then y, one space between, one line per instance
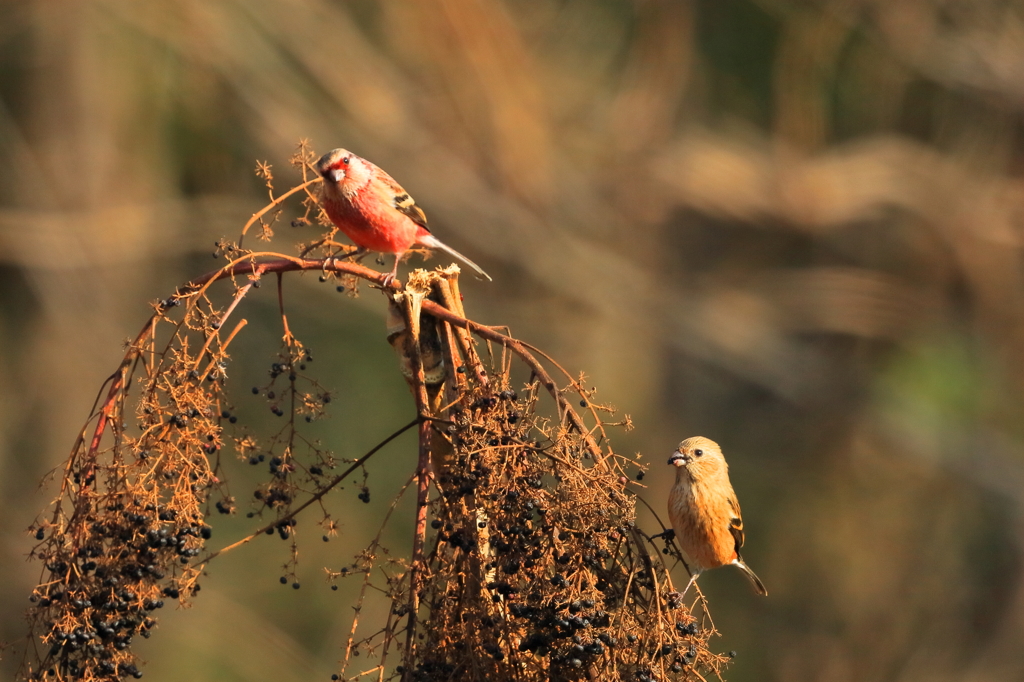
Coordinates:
344 171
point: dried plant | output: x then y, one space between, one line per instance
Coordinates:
526 561
806 218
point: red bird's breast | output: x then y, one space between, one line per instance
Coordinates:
371 223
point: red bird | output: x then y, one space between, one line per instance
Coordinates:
374 211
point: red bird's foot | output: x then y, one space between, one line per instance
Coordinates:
390 277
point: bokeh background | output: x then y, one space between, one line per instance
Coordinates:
793 226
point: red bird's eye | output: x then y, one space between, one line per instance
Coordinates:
345 160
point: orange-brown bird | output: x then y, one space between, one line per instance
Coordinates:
374 211
704 512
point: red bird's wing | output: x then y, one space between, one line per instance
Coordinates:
736 524
390 192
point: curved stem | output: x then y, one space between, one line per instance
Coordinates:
519 349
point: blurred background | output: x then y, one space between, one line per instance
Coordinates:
794 227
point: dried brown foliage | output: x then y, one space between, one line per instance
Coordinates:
532 566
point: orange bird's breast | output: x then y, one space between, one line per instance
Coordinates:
701 522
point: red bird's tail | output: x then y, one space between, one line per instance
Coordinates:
433 242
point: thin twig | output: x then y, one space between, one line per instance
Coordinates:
315 498
274 204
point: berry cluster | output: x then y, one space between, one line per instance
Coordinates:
129 557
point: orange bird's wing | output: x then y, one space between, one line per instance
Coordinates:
736 523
